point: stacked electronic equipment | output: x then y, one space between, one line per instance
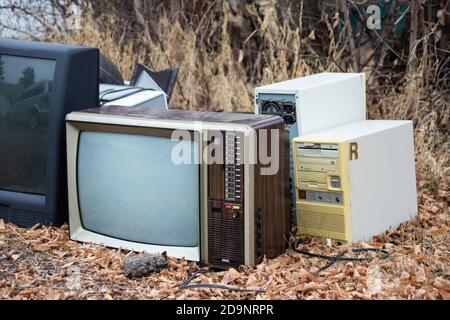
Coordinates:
313 103
350 178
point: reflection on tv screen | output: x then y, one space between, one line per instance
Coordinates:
25 92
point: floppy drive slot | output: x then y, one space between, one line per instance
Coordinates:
312 180
317 164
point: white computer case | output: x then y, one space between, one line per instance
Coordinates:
322 101
377 168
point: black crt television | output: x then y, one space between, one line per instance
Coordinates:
40 83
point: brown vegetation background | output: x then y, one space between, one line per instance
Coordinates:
224 49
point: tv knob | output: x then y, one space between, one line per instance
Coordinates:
235 215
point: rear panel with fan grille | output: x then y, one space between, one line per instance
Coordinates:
283 105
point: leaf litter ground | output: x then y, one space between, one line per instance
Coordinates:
43 263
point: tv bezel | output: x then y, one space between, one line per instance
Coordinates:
77 121
71 86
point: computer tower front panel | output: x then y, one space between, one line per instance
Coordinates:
321 185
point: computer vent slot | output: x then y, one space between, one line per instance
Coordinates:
322 221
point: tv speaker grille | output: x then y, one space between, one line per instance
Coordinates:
225 241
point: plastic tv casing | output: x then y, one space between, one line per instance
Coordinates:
234 228
75 87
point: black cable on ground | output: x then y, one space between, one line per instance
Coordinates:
186 285
331 261
340 256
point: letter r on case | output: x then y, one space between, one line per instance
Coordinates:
354 151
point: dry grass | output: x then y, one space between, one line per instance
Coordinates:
215 75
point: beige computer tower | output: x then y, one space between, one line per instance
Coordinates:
355 181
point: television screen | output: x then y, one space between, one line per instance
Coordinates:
25 93
129 188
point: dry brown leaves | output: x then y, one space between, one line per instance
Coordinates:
43 263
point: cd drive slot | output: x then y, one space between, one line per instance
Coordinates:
317 153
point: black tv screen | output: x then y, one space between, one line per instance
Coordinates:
40 83
25 93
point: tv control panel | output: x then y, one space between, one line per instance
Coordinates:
226 201
233 171
241 232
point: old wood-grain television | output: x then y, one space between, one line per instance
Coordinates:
148 180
